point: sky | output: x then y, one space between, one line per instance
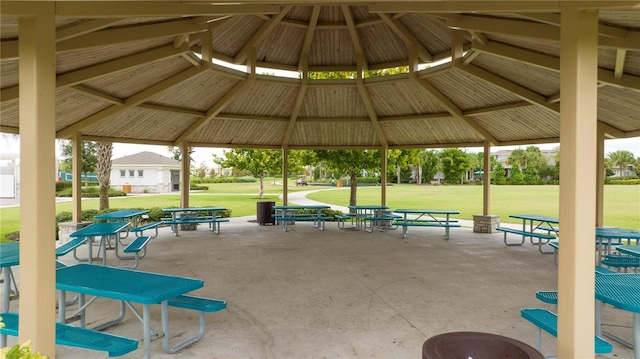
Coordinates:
11 145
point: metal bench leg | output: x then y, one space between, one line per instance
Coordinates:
165 328
512 244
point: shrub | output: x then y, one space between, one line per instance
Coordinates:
62 185
622 181
247 179
91 192
195 187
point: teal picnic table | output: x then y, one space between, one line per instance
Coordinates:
426 218
362 212
194 215
104 231
287 214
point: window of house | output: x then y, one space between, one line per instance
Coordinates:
132 173
123 173
140 173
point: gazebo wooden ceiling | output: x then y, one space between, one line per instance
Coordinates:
141 72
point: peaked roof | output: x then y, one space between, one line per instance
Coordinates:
143 72
145 158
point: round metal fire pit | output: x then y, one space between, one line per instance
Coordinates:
474 345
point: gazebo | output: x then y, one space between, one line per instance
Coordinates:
479 73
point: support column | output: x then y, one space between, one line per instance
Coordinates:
485 222
76 177
185 175
37 76
285 177
383 176
600 176
578 134
486 179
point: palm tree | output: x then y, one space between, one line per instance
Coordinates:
105 151
621 159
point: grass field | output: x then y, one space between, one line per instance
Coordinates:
622 203
621 207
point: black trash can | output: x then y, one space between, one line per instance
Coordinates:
265 213
464 345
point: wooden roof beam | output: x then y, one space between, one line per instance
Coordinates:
619 67
520 91
549 62
520 28
355 37
554 19
295 112
262 32
454 110
490 6
132 101
129 34
93 9
213 111
97 94
368 103
303 63
407 36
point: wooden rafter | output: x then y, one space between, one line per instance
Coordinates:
454 110
130 102
97 94
368 104
303 63
407 36
262 32
489 6
108 68
620 59
295 111
213 111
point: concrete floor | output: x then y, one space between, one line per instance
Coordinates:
335 294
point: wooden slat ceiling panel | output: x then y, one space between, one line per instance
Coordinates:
402 98
127 83
198 93
230 37
324 48
9 113
542 46
144 124
539 80
8 73
331 14
332 102
282 46
72 106
435 130
334 134
8 27
300 13
435 37
467 93
632 63
624 18
382 45
522 123
361 13
607 59
619 107
264 100
73 60
237 132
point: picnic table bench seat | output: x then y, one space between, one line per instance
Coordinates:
78 337
138 245
524 234
547 320
284 220
214 223
200 304
71 245
388 220
139 230
342 219
621 261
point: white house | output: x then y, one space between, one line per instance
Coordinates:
145 172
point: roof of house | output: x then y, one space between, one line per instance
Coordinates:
145 158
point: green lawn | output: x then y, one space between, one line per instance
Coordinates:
621 207
622 203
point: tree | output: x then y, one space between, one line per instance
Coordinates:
351 163
88 157
516 175
621 159
499 174
105 151
257 162
202 170
455 163
531 175
177 153
428 165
